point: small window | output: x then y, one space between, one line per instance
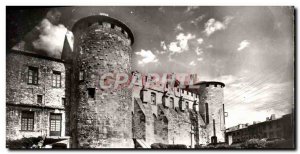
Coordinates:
91 92
33 73
153 98
186 105
182 91
187 92
81 75
192 94
56 79
40 99
177 89
63 101
172 102
27 120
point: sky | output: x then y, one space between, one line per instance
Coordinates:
250 49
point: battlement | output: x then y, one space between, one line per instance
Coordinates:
211 83
103 22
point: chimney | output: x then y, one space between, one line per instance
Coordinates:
267 119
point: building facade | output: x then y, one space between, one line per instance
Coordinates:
36 98
61 98
271 128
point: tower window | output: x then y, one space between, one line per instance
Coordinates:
56 79
91 92
33 73
186 105
153 98
27 121
206 113
40 99
172 102
81 76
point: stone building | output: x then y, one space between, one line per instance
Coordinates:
36 97
271 128
61 97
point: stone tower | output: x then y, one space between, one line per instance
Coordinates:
101 117
211 108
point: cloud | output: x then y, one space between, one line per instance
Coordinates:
200 40
200 59
199 51
190 9
192 63
244 44
213 25
178 27
163 45
181 44
51 38
148 57
197 20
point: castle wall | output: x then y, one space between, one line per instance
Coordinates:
103 120
212 94
21 96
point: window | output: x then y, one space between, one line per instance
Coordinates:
63 101
192 94
187 92
153 98
206 113
55 124
33 75
186 105
172 102
27 120
91 93
56 78
81 76
40 99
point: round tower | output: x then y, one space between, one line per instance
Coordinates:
102 116
211 108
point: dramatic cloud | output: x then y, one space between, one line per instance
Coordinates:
181 44
51 38
244 44
213 25
148 57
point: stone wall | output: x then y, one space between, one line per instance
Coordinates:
212 94
104 121
21 96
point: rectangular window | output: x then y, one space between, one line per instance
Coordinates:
56 79
55 124
33 75
81 76
63 101
186 105
172 102
91 92
153 98
207 113
40 99
27 120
